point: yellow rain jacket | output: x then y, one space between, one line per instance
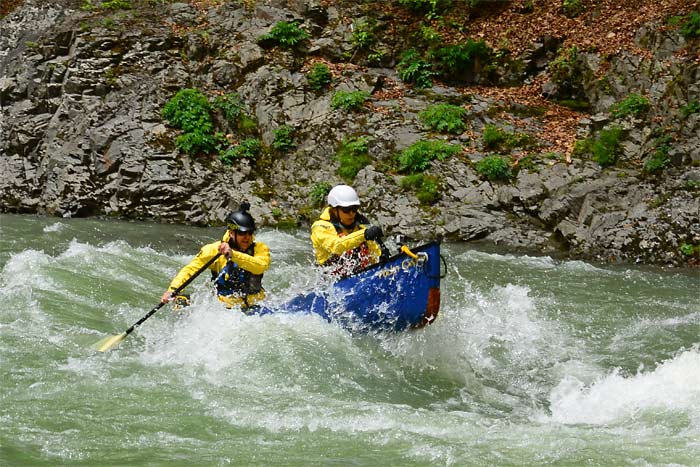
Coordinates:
332 240
256 264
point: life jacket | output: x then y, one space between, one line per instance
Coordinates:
235 281
352 261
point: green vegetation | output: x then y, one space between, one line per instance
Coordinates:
493 168
569 73
495 137
426 187
249 148
233 108
417 157
527 163
363 33
572 8
319 77
116 5
190 111
286 34
607 147
364 38
412 68
283 138
454 62
444 118
88 5
604 149
692 185
352 156
691 25
688 249
562 68
659 159
431 8
691 108
318 193
635 104
429 36
352 101
659 201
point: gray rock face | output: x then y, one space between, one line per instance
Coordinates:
81 131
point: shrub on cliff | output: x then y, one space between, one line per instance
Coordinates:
284 138
459 62
249 148
319 77
351 101
495 137
604 149
635 104
659 159
318 193
190 111
417 157
430 8
234 111
286 34
352 156
691 26
426 187
445 118
493 168
412 68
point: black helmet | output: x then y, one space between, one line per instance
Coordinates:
241 220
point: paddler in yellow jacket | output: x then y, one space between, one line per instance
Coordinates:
342 238
238 272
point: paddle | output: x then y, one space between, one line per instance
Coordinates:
408 252
110 342
403 248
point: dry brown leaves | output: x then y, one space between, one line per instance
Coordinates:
7 6
558 123
607 27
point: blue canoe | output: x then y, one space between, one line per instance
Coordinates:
399 293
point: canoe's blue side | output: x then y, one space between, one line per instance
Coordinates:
394 295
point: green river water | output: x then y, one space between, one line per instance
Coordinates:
531 362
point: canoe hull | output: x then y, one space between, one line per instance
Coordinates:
400 293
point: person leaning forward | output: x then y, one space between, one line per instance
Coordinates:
342 238
237 274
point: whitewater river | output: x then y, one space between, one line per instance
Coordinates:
531 362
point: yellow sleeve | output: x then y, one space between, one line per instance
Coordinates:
326 241
206 253
256 264
375 250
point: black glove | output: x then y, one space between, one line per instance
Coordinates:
373 232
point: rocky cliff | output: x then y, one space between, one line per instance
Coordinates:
600 128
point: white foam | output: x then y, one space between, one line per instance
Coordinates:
55 227
23 269
674 385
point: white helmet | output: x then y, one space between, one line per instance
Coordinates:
343 195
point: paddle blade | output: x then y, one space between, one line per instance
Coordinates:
108 342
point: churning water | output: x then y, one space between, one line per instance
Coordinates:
531 362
